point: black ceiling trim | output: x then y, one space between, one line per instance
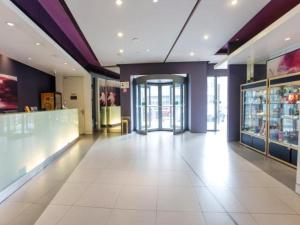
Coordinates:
72 18
182 29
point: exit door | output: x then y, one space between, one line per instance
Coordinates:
217 104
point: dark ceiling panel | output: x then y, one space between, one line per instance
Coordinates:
54 17
268 15
60 13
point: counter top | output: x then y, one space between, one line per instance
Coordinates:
20 113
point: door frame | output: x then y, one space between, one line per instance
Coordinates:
182 108
139 110
146 80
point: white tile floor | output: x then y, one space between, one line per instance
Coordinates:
27 204
161 179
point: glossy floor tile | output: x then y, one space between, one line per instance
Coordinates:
160 179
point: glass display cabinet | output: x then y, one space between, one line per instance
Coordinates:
254 115
284 103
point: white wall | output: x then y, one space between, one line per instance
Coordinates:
87 96
59 83
87 89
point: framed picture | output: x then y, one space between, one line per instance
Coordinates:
8 92
284 65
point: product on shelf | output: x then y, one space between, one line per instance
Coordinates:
254 111
284 114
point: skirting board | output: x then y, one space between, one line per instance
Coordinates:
24 179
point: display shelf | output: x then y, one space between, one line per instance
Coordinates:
270 111
254 111
292 146
283 114
254 134
284 103
254 115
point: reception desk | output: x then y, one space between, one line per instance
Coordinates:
30 141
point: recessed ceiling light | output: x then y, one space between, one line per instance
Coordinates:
29 58
192 54
287 39
10 24
65 63
120 34
74 69
38 44
155 1
234 2
206 36
119 2
121 51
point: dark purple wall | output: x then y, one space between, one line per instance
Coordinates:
237 75
31 82
215 73
260 72
197 72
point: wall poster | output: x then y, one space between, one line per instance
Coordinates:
284 65
109 93
8 92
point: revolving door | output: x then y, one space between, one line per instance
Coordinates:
160 103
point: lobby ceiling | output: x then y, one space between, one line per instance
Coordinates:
150 29
103 34
24 41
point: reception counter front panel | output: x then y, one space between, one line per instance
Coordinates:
29 140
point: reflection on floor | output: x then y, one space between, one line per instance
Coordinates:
26 205
161 179
279 171
112 129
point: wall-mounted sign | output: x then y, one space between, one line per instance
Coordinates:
124 85
73 97
284 65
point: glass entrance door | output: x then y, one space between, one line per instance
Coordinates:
179 107
153 111
217 104
160 105
141 117
167 106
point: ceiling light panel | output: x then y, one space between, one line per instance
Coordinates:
234 2
10 24
120 34
119 2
